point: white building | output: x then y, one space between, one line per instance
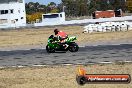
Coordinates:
12 13
52 19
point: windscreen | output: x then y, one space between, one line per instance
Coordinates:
51 16
8 1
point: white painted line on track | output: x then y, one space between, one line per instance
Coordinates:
39 65
105 62
128 61
62 64
2 67
21 66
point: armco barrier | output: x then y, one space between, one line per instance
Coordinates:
125 18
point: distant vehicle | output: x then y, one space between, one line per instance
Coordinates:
107 14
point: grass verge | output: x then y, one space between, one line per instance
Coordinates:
59 76
40 36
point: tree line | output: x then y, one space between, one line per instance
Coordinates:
35 10
75 7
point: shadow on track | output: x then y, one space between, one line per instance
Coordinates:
22 52
26 52
106 47
82 49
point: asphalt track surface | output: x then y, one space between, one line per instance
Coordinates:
85 55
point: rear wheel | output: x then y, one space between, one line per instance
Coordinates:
49 49
73 47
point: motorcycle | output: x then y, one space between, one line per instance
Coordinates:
69 44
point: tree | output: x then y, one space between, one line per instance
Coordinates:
33 17
92 7
129 5
54 10
83 8
32 8
76 7
52 4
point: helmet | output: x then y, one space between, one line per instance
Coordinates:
52 36
56 31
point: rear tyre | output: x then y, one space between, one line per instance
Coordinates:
73 47
49 49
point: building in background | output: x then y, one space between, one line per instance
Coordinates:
12 13
52 19
107 14
103 14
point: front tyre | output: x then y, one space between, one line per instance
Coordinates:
49 49
73 47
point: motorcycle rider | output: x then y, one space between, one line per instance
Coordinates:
61 36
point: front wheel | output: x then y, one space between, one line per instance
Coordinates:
49 49
73 47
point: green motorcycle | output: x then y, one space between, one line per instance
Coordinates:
69 44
